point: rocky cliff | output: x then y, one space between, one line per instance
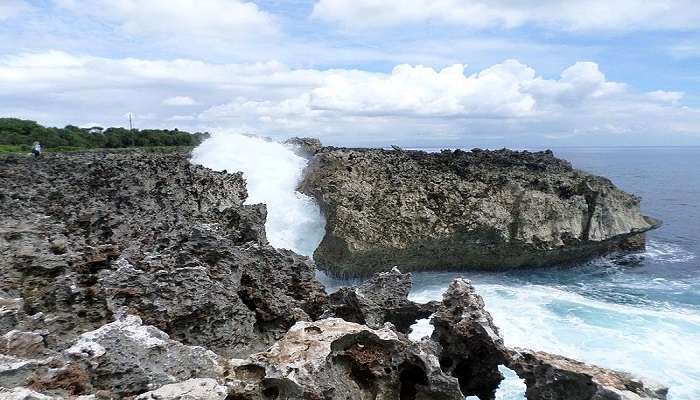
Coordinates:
138 275
456 209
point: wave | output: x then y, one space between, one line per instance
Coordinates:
272 171
657 343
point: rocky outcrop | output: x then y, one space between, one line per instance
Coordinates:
382 298
472 348
85 234
138 275
456 209
336 359
549 376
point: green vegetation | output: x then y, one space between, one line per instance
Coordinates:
17 135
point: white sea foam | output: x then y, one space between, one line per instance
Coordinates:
660 343
648 339
272 171
667 252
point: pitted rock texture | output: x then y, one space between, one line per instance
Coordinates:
382 298
549 376
456 209
335 359
85 234
126 357
136 274
472 348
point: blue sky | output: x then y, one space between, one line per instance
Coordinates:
487 73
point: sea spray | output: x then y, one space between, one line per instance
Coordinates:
272 171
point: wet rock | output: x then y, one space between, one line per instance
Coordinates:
472 348
191 389
336 359
553 377
455 209
382 298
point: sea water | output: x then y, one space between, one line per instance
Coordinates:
638 312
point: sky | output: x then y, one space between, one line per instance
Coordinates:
437 73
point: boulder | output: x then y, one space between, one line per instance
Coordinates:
456 210
126 357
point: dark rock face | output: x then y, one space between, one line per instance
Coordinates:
549 376
472 348
382 298
456 209
85 234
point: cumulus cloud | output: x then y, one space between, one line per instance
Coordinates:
179 101
573 15
223 19
351 106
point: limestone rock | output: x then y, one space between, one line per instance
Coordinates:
472 348
191 389
127 357
382 298
456 209
553 377
336 359
85 234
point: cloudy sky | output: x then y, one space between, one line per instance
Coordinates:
486 73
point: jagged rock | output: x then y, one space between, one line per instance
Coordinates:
191 389
382 298
456 209
85 234
553 377
336 359
472 348
127 357
305 147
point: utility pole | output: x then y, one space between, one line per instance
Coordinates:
131 127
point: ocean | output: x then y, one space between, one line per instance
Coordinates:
635 312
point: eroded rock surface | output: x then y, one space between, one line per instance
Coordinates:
549 376
472 348
336 359
84 234
382 298
137 274
457 209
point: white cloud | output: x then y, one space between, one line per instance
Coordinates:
179 101
12 8
572 15
504 100
222 19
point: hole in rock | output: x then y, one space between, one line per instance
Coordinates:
411 376
511 387
420 329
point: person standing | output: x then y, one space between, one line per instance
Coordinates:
36 149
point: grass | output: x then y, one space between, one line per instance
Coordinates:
23 148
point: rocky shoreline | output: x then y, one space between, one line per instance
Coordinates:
455 210
139 275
